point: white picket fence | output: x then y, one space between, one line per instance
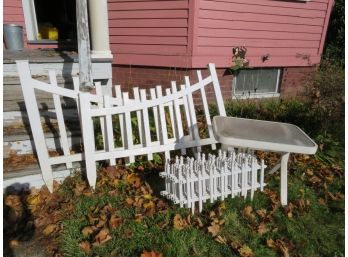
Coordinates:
168 112
174 114
189 181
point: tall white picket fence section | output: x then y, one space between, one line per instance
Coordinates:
30 87
132 116
189 181
173 113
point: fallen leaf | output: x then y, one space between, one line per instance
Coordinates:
85 246
14 243
151 254
49 229
214 229
283 248
220 239
262 213
102 237
309 172
149 205
200 223
245 251
102 221
262 229
271 243
129 201
134 180
33 199
248 213
115 221
322 201
148 196
315 180
86 231
179 222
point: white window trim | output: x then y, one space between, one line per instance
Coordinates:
255 95
30 19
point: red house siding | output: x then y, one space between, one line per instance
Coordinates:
192 33
149 32
291 33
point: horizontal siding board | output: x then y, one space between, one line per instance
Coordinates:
310 5
145 14
148 5
146 23
277 61
227 33
237 16
13 10
154 60
204 41
257 51
12 3
19 19
244 25
174 32
147 40
148 49
252 8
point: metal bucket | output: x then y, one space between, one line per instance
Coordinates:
13 37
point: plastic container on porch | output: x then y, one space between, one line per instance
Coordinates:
13 37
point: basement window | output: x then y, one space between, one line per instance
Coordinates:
256 83
50 21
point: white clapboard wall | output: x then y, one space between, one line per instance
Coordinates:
160 121
168 110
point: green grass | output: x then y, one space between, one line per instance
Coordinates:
314 229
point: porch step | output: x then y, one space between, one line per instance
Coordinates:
13 97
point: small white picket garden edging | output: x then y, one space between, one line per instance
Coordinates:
189 181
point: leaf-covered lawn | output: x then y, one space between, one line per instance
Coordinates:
125 217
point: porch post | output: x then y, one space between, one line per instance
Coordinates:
85 65
98 15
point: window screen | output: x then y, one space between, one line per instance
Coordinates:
256 81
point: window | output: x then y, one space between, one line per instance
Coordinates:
253 83
53 20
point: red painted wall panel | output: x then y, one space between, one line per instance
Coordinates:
151 33
290 32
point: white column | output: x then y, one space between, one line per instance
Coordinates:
99 25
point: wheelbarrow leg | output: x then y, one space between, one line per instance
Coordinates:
284 179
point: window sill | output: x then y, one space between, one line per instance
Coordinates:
255 95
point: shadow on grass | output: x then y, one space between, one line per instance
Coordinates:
17 218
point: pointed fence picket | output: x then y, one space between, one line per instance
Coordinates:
190 181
